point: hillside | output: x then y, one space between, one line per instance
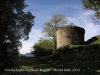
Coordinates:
47 66
93 40
26 55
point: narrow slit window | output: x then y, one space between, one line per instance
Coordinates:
69 37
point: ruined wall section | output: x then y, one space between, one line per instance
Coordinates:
68 35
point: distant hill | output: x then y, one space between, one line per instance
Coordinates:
94 40
26 55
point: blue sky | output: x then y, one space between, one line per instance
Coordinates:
43 11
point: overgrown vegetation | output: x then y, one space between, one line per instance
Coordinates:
43 63
44 47
78 53
93 5
15 25
50 27
84 58
94 40
90 51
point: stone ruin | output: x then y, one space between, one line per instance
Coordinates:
70 35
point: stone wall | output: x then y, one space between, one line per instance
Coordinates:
70 35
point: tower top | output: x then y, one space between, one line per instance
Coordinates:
70 35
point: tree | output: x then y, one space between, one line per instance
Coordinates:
93 5
51 26
15 24
43 47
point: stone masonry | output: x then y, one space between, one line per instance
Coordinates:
70 35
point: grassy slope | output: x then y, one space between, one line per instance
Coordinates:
94 40
45 63
82 68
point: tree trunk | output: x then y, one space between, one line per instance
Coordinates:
55 43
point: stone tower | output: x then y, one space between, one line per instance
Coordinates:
70 35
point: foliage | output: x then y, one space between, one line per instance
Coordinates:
33 63
78 53
93 5
93 40
51 26
8 57
15 24
44 47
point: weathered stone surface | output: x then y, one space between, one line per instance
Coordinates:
70 35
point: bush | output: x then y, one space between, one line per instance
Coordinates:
8 57
44 47
40 51
78 53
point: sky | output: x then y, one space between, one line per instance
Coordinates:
43 11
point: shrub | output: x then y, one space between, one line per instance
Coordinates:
40 51
78 53
8 59
44 47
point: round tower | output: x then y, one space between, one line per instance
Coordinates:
70 35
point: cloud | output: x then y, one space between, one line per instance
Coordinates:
72 6
35 35
43 13
44 10
26 46
84 20
33 38
91 30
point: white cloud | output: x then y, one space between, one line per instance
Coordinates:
26 46
35 34
33 38
64 6
84 20
91 30
43 13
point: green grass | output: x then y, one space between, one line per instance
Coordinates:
46 66
94 40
